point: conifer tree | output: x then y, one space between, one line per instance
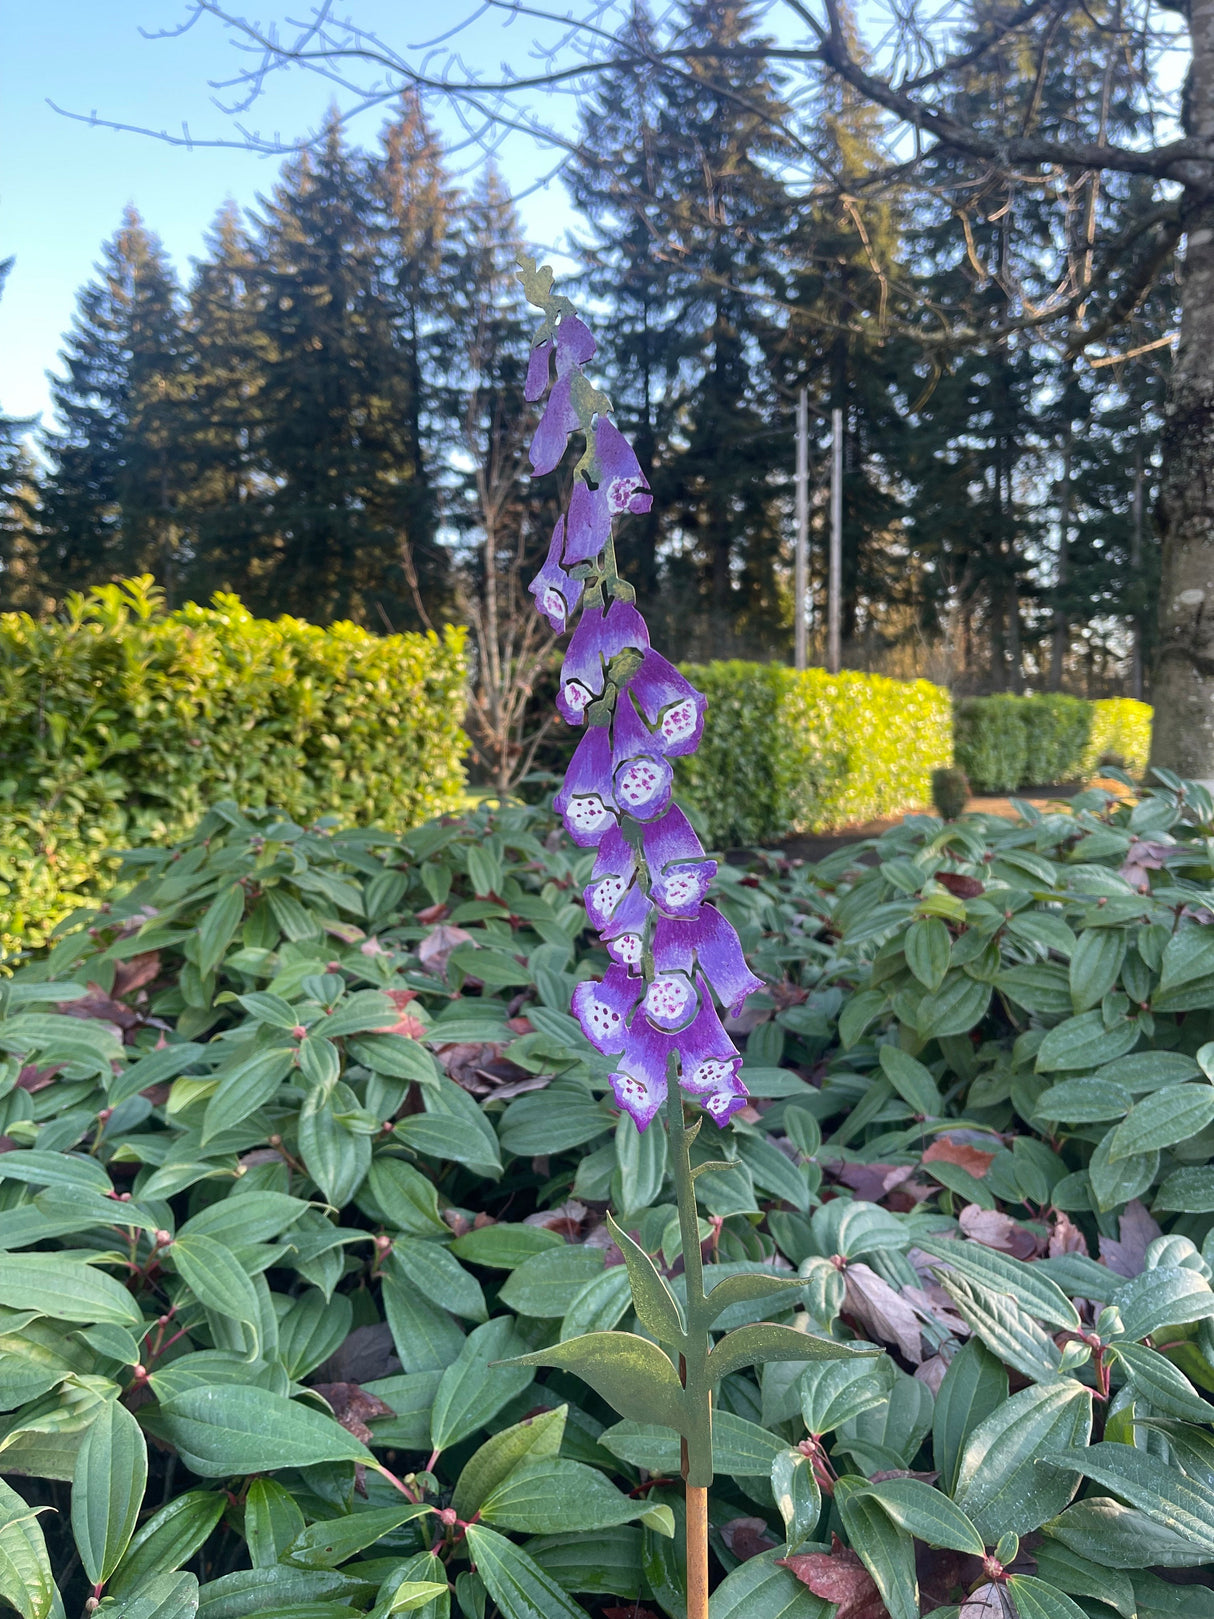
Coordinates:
112 496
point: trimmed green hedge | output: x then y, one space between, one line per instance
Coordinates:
785 752
120 723
1003 743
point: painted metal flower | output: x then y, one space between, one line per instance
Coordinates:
673 955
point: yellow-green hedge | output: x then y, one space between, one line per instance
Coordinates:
120 723
1003 743
785 752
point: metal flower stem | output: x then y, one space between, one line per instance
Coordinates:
693 1358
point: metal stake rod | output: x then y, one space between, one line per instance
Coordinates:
835 590
801 568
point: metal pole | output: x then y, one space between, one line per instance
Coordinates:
1136 681
835 590
801 568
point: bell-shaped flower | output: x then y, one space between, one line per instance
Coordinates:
624 934
558 421
585 801
539 365
620 475
642 777
614 869
670 1001
589 526
708 1065
603 1009
679 870
669 702
556 594
574 343
599 637
709 944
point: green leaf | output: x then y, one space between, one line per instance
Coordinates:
1161 1120
608 1565
107 1489
272 1519
476 1386
1083 1101
395 1055
655 1305
759 1590
1000 1485
438 1276
833 1392
1162 1384
765 1340
239 1428
1176 1502
167 1539
927 1514
974 1386
630 1373
550 1494
886 1550
486 1468
928 949
1188 1191
1033 1292
1188 955
336 1158
547 1284
65 1290
640 1161
1115 1183
216 930
1095 964
279 1593
912 1081
452 1128
1162 1298
335 1540
1080 1577
1083 1042
311 1329
1036 1599
745 1288
217 1279
958 1006
26 1581
166 1596
518 1586
426 1337
1122 1537
245 1217
1006 1330
797 1496
408 1200
243 1089
505 1247
55 1169
599 1305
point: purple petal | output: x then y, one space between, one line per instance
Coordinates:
584 801
556 594
679 872
574 343
536 385
681 890
709 1063
603 1009
624 934
671 1001
597 639
643 776
670 702
639 1082
556 424
709 942
589 524
614 869
621 477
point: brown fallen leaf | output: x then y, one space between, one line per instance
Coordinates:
1066 1238
962 887
883 1313
1138 1231
436 947
972 1159
363 1356
999 1231
747 1537
838 1576
990 1601
432 913
352 1406
134 973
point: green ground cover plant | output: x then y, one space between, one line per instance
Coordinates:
1003 743
301 1140
121 722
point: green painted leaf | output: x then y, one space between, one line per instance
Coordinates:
655 1305
765 1340
107 1489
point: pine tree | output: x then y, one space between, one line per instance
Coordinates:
21 585
113 492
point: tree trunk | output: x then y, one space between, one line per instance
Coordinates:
1182 684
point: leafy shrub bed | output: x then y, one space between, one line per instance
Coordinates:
301 1138
1003 743
120 723
788 752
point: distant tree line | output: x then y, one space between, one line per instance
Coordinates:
316 420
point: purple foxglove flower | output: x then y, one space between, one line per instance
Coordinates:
575 343
708 1062
621 477
603 1009
558 421
614 868
538 366
643 777
670 702
597 639
589 526
585 801
670 1001
556 594
678 868
707 941
624 934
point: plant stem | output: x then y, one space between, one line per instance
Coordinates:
697 1445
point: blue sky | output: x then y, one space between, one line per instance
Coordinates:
63 185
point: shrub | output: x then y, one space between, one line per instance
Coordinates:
302 1140
950 792
120 722
785 752
1004 743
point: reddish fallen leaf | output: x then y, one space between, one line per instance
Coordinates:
931 1372
882 1312
566 1219
32 1078
962 887
134 973
436 947
999 1231
411 1028
1138 1231
1143 856
838 1576
1066 1238
990 1601
432 913
972 1159
520 1025
352 1406
747 1537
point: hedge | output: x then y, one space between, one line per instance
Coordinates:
787 752
121 722
1003 743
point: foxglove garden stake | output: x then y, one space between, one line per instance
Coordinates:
673 955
